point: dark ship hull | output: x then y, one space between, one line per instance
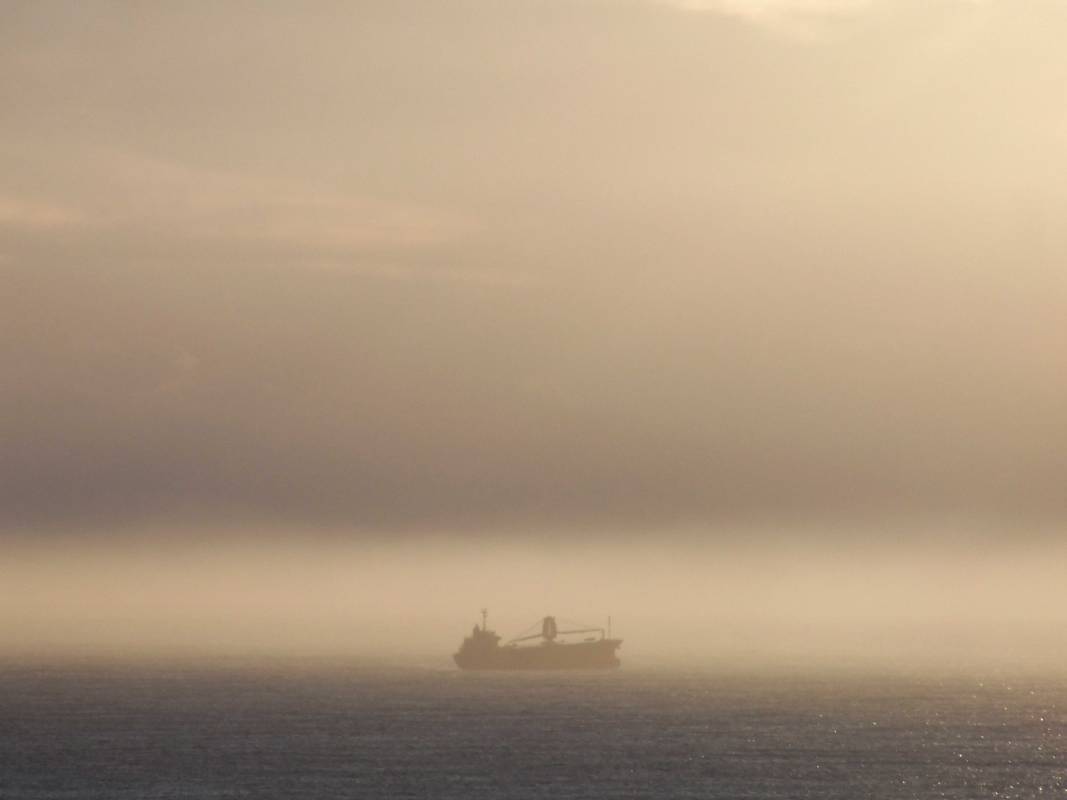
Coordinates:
583 655
482 650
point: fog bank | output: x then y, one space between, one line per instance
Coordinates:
675 602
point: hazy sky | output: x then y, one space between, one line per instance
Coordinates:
465 266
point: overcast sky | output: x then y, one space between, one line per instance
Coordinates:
464 266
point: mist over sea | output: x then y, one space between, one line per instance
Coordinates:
287 729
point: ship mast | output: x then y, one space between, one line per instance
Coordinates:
485 615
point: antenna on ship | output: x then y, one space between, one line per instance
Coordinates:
609 627
485 615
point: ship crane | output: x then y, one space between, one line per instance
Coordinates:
549 632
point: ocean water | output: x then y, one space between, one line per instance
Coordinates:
359 731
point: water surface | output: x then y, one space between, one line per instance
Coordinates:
287 730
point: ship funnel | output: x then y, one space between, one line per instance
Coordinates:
548 628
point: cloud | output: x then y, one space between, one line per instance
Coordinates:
794 19
33 215
503 278
143 196
757 9
757 282
214 203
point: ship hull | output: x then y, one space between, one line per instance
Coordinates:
584 655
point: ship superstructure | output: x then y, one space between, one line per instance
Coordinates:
542 650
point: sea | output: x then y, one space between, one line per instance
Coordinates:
289 729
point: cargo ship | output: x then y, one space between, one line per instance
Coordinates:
545 650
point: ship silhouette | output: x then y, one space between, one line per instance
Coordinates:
482 649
